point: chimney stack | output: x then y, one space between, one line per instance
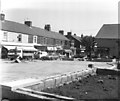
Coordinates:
74 34
69 33
47 27
61 32
28 23
81 35
2 17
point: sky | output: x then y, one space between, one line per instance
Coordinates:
78 16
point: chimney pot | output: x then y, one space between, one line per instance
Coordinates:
47 27
81 35
28 23
61 32
69 33
2 16
74 34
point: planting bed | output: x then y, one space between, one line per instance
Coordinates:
90 87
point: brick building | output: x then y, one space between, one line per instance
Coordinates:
75 42
108 39
18 34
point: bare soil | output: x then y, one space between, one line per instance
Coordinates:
91 87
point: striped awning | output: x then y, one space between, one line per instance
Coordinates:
68 50
10 47
51 48
27 48
21 47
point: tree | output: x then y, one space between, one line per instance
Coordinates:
88 42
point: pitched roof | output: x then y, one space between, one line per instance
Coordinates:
76 37
109 31
22 28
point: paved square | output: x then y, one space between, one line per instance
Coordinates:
40 69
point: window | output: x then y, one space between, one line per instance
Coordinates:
61 42
34 39
57 42
19 37
66 43
5 36
44 40
54 42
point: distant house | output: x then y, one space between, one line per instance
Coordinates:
108 40
18 34
75 42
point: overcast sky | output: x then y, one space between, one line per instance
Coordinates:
79 16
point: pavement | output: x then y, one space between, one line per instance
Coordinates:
37 69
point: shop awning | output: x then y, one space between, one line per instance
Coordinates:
21 47
68 50
42 48
27 48
10 47
51 48
59 48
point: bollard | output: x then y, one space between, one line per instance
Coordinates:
79 74
57 81
64 79
73 75
69 79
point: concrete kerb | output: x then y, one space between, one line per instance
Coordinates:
60 80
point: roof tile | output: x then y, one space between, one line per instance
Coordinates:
109 31
22 28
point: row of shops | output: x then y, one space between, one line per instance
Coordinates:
26 39
28 50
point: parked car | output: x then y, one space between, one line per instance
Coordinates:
78 56
50 56
53 56
42 54
62 56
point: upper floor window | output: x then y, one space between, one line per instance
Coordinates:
34 39
19 37
61 42
46 40
5 35
66 42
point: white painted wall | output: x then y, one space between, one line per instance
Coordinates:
1 35
12 37
24 38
